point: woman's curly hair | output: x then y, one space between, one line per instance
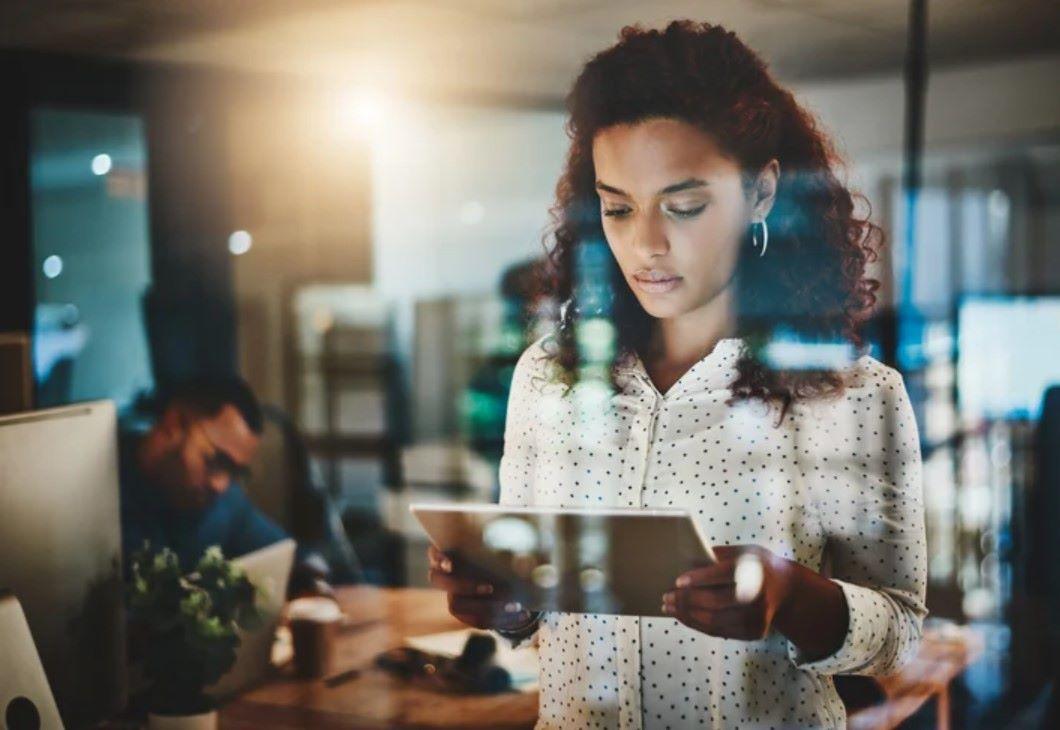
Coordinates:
812 281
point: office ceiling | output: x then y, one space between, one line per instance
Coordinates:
529 47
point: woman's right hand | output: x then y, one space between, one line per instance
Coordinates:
473 600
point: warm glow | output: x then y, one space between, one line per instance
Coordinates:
359 111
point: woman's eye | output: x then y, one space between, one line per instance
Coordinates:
686 212
615 212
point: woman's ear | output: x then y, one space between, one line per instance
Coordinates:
765 190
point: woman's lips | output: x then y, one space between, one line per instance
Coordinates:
657 286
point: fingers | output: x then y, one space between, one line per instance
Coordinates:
487 613
462 603
439 560
744 624
719 599
730 552
473 601
713 607
718 574
461 585
479 617
715 598
450 563
512 620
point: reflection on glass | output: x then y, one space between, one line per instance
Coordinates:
91 253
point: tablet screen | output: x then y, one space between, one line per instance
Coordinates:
609 561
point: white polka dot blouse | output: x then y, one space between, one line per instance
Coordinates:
835 486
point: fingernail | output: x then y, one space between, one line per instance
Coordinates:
446 565
683 581
668 597
513 607
484 589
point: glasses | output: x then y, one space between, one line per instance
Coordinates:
219 462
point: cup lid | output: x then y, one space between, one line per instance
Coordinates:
314 608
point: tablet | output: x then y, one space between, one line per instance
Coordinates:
610 561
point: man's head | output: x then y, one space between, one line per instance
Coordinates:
205 436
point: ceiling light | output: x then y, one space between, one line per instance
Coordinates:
101 164
240 242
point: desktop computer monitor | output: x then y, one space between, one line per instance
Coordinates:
60 542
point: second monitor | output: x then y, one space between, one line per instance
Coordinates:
60 538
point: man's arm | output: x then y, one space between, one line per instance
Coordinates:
252 530
248 528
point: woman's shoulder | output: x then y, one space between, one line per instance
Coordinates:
868 386
536 358
538 348
533 366
867 374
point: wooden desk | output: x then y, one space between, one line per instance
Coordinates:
375 699
942 657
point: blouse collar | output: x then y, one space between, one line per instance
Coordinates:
715 371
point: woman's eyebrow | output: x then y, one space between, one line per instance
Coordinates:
692 182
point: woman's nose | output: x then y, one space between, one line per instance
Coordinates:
650 237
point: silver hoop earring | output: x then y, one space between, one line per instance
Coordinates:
765 237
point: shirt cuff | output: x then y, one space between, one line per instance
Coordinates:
868 621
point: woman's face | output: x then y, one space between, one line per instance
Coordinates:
674 212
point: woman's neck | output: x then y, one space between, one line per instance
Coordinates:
685 340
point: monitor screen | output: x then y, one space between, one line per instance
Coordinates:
1009 353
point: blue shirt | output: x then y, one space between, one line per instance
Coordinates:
231 520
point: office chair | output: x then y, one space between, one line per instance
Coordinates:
310 515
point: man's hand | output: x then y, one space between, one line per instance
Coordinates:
473 600
309 577
736 598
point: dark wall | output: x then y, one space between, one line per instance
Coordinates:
190 312
16 293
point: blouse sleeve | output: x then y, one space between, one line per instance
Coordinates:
519 456
516 470
864 471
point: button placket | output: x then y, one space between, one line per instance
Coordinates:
629 640
643 432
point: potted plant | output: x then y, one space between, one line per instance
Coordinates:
186 632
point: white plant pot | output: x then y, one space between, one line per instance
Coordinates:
202 721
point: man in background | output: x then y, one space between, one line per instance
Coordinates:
181 474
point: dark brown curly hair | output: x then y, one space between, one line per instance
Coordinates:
812 281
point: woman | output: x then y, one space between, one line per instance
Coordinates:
738 272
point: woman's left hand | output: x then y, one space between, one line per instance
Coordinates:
736 598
